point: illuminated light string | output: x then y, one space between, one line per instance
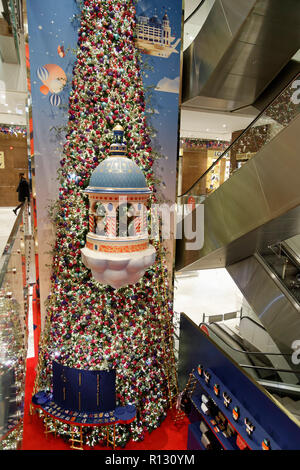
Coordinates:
202 143
13 130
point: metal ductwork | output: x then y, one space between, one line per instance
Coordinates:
241 47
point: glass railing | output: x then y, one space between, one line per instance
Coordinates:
267 125
283 268
13 335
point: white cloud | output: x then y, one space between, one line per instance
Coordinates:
168 85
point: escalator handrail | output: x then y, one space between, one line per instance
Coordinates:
237 138
194 11
273 369
243 351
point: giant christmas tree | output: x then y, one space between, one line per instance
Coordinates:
89 325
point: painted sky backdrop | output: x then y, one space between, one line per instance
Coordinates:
166 72
51 24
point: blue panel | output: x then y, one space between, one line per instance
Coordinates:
194 437
84 390
196 348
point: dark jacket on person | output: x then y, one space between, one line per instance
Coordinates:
23 190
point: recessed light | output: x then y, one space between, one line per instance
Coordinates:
224 125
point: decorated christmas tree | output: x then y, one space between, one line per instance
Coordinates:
90 325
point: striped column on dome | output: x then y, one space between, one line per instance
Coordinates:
91 223
137 224
145 219
111 226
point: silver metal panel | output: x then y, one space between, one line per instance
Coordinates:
279 316
204 54
279 173
240 49
257 206
235 12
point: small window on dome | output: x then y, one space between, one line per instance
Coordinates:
125 220
100 209
100 219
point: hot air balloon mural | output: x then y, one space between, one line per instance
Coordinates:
54 80
61 51
55 100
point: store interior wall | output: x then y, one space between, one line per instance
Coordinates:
14 160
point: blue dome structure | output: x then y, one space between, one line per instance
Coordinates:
117 173
117 248
154 21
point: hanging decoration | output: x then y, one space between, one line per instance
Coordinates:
117 249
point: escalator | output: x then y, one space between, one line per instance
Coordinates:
282 384
249 208
251 213
269 281
242 351
237 51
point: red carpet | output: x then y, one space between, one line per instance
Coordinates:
166 437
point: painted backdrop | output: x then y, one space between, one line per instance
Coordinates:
53 27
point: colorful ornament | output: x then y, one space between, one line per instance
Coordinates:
227 399
265 445
249 426
207 377
236 413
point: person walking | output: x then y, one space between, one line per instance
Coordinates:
23 192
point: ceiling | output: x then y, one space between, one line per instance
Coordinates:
205 125
13 84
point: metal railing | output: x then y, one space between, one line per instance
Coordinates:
13 335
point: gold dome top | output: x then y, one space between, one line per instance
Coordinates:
118 127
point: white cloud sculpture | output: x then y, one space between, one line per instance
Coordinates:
118 270
168 85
